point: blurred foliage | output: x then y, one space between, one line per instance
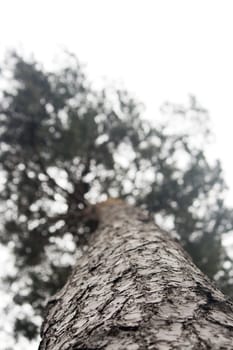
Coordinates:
64 142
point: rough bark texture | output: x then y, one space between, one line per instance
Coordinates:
136 289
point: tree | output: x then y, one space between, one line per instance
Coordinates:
136 289
65 144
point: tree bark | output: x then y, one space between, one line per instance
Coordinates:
136 288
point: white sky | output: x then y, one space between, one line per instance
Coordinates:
160 49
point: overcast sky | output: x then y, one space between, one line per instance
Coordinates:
159 49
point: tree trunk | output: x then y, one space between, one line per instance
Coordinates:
136 288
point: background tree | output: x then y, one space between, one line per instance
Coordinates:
65 144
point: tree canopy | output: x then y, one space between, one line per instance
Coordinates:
65 144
